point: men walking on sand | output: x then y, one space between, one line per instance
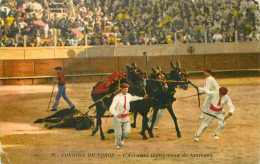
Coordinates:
62 90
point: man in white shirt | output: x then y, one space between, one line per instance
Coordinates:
22 24
119 109
211 84
218 100
217 37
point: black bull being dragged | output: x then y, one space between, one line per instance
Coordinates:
64 119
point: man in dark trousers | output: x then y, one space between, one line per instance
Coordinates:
62 90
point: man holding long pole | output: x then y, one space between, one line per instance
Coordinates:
62 90
51 95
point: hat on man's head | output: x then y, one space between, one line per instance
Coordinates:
207 70
58 68
223 90
124 85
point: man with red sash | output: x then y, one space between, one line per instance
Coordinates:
211 84
218 100
119 109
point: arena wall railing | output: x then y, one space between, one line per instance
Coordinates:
11 53
35 65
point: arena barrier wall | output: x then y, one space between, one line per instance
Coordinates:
95 63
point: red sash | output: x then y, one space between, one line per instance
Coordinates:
124 115
215 109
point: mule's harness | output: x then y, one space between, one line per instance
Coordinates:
171 81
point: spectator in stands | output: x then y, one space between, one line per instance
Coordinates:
217 37
187 38
10 43
230 35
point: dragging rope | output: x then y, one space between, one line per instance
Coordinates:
189 96
81 115
168 81
51 96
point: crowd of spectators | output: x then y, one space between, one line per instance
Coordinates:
131 21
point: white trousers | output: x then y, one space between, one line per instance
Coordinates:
206 105
121 128
208 120
159 116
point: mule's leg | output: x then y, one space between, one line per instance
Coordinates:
96 129
99 115
175 121
101 131
133 125
144 126
155 111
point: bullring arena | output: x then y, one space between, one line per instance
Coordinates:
91 40
27 85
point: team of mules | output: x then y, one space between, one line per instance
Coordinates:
159 86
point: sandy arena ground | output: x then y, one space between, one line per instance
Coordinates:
25 142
